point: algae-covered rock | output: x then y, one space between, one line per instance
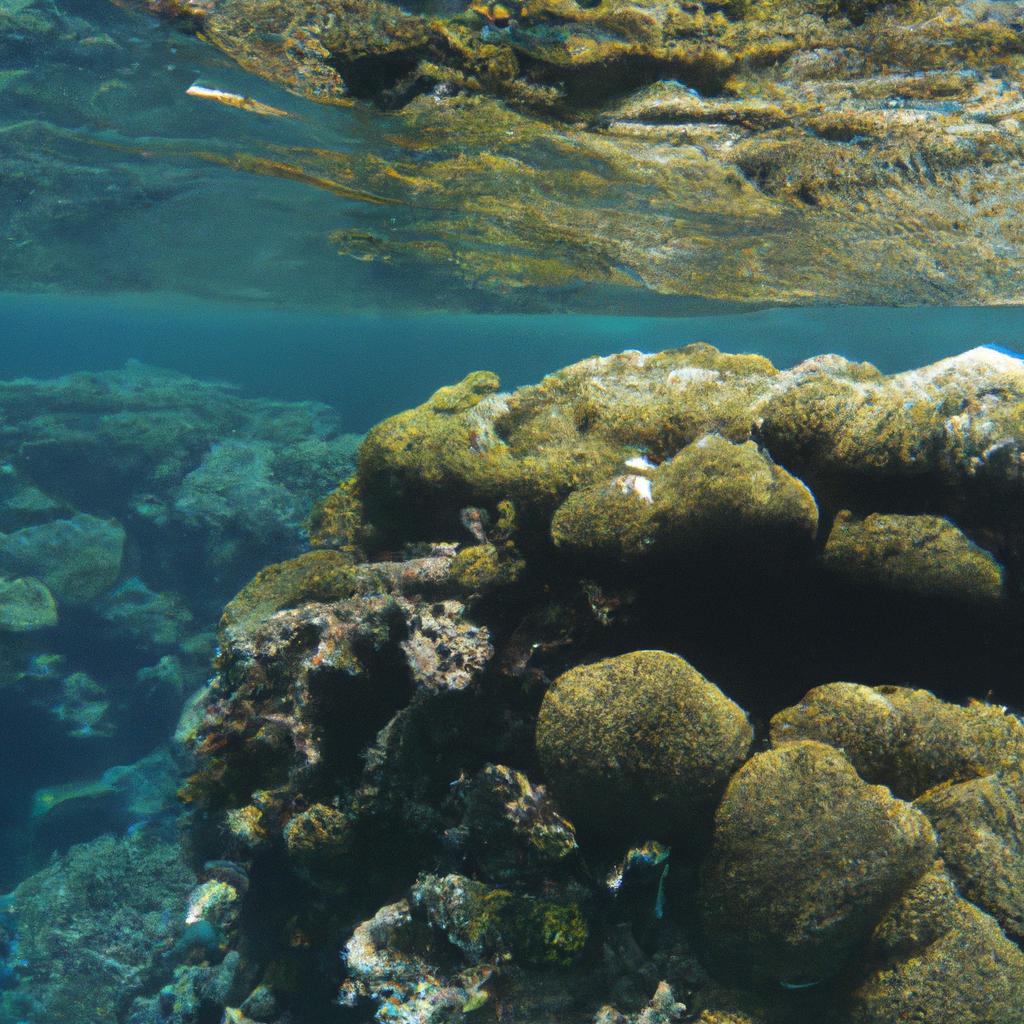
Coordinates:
26 605
861 721
955 423
980 825
92 927
317 840
511 830
314 576
468 446
950 742
944 962
444 451
711 495
924 555
906 739
483 567
640 744
483 921
78 558
805 860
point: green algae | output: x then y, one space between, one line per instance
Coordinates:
640 745
322 575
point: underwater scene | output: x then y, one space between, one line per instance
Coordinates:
512 511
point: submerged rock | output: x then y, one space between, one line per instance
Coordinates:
641 745
313 576
980 825
711 496
616 442
511 829
78 559
773 907
944 961
26 605
485 922
908 740
912 554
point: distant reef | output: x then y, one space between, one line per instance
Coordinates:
133 503
665 690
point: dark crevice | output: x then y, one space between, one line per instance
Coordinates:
389 80
594 86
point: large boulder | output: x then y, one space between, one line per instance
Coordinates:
806 857
640 744
78 559
906 739
942 961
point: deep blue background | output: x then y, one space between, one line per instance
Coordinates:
371 366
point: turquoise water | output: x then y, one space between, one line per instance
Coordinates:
369 366
203 311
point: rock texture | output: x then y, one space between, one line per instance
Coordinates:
478 761
640 744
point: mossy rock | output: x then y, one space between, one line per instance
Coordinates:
418 468
640 745
484 567
953 425
468 445
921 555
980 825
944 961
317 840
906 739
322 575
713 495
337 521
805 860
26 605
483 921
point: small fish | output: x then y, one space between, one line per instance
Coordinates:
233 99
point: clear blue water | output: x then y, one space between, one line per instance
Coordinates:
369 366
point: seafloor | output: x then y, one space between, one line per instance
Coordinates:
669 688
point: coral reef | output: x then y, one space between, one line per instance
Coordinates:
516 781
133 503
94 928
